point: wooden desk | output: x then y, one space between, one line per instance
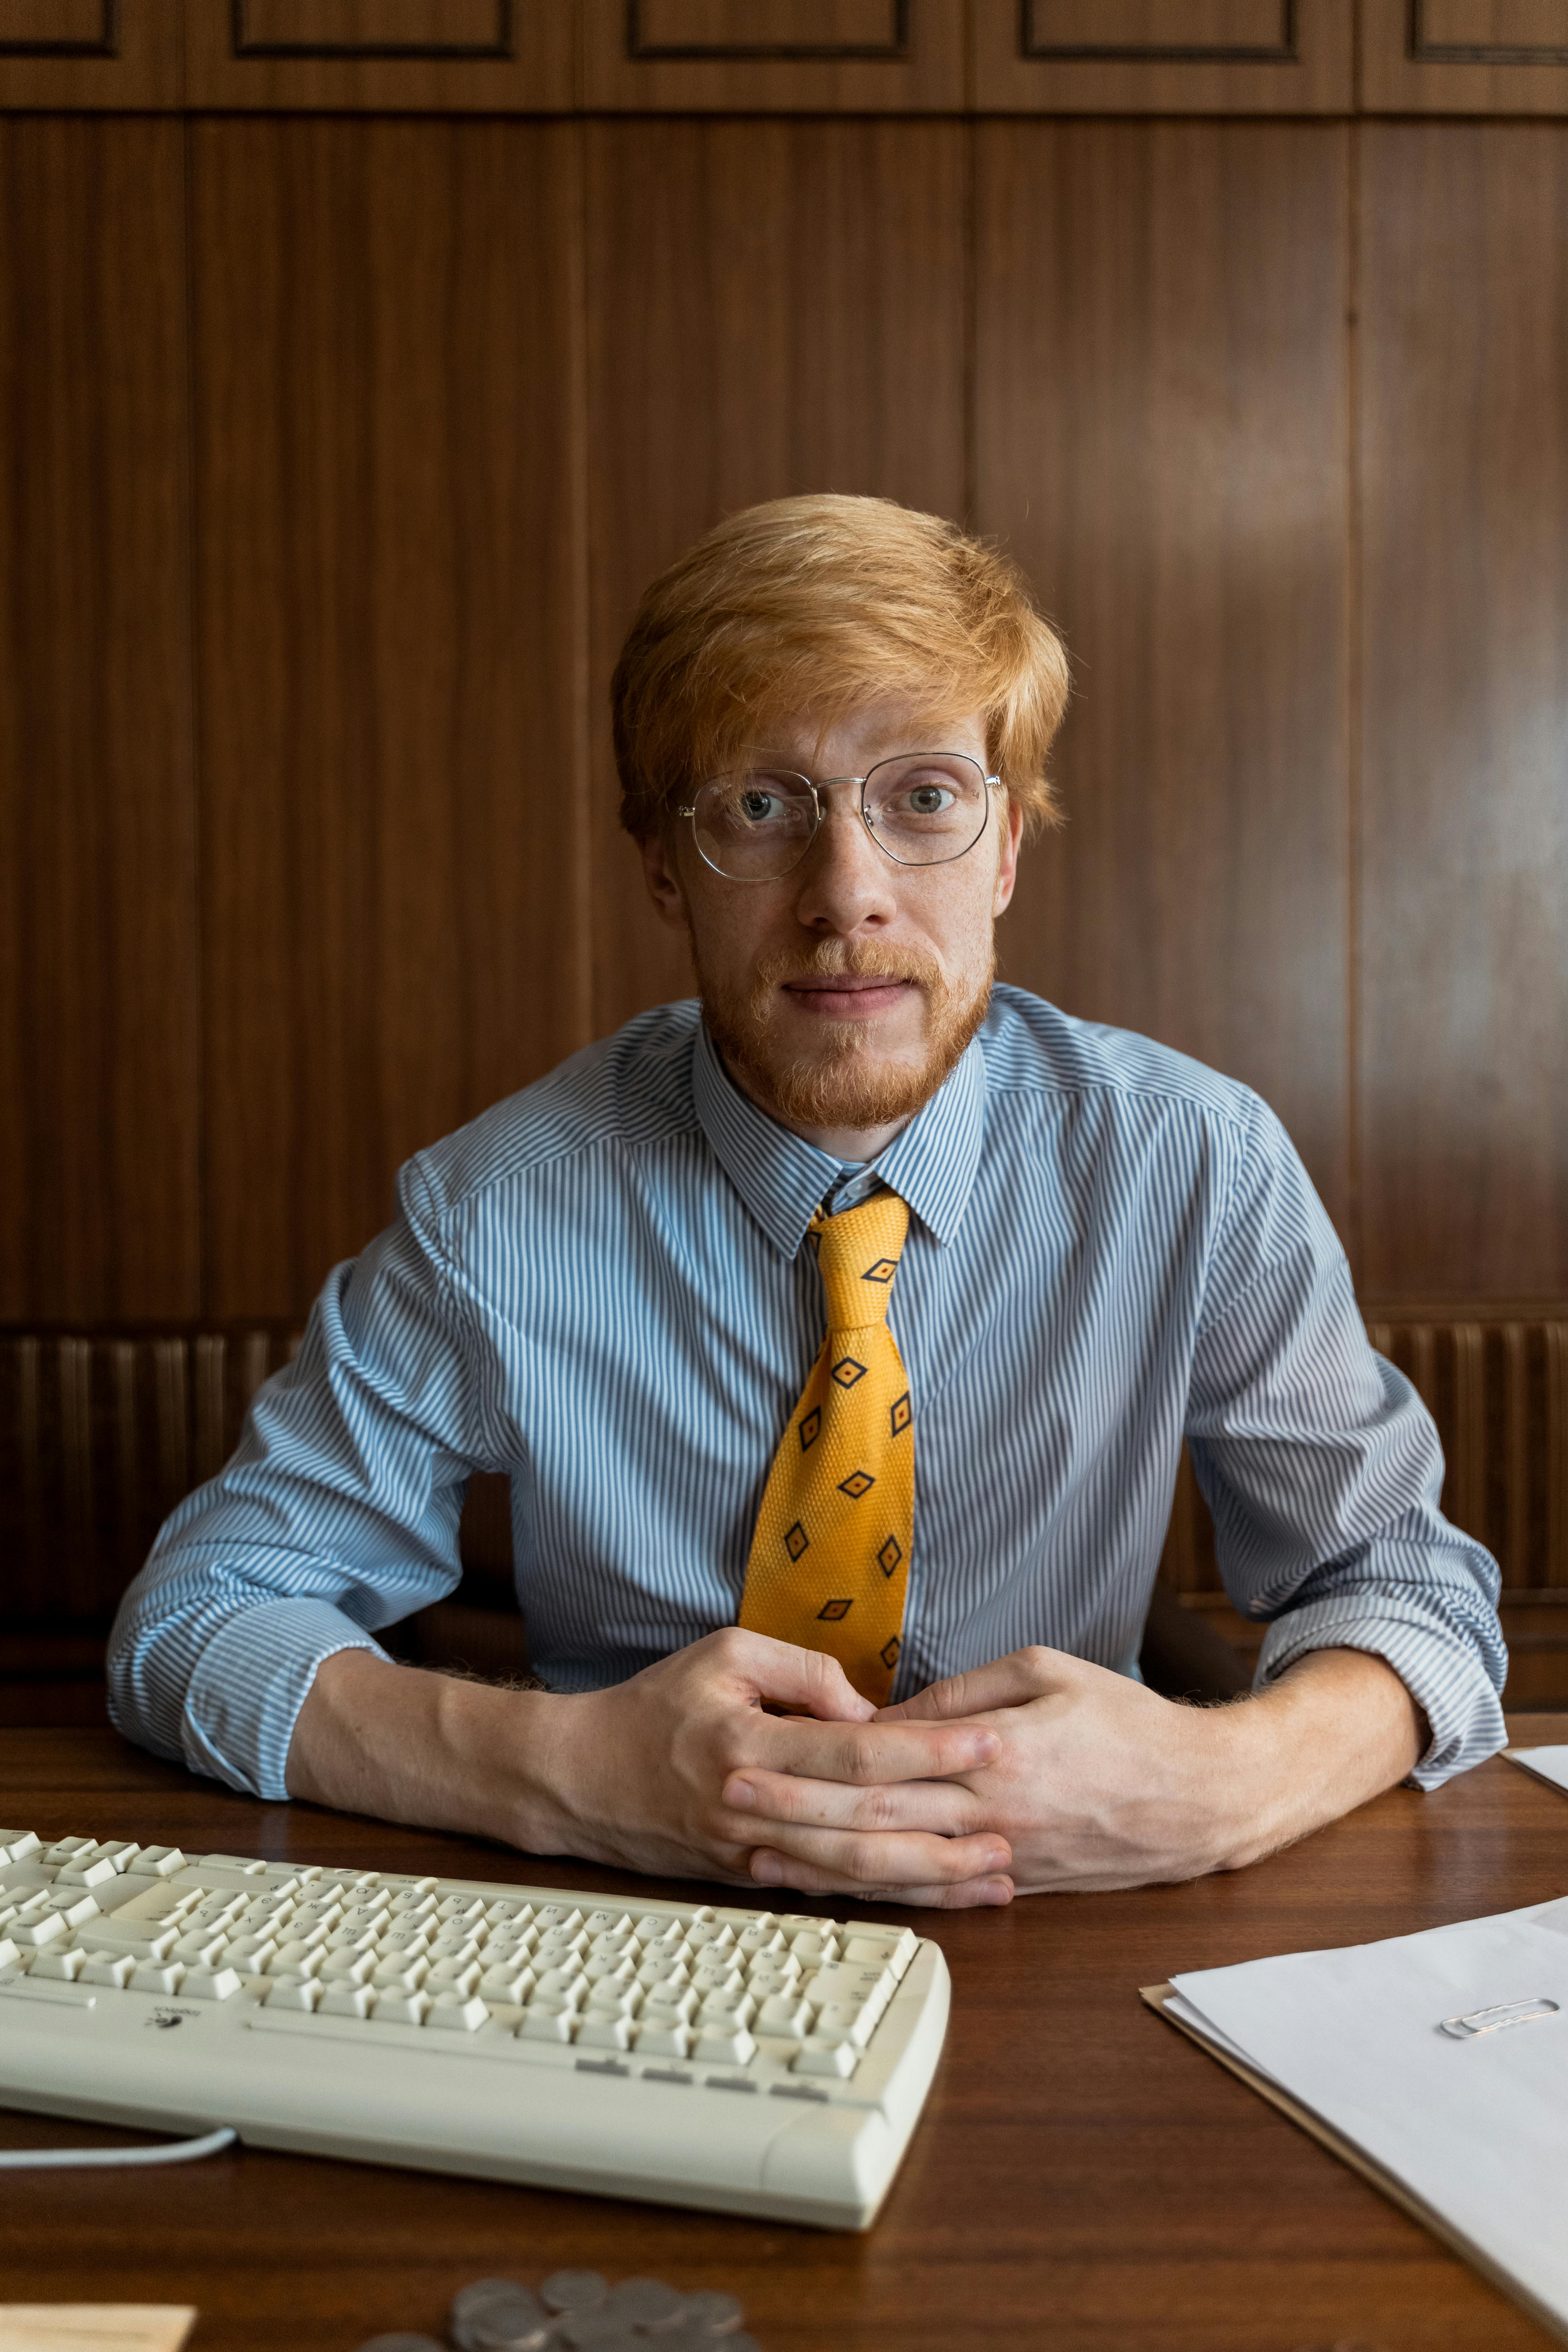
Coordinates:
1083 2177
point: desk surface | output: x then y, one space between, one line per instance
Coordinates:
1083 2177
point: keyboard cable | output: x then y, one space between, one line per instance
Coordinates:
174 2151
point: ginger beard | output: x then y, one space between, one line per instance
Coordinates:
851 1081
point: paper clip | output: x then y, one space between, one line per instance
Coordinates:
1503 2014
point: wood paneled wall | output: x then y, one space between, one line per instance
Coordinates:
363 358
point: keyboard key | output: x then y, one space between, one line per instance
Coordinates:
400 1975
599 2032
671 2004
211 1984
107 1968
97 1872
32 1935
73 1905
506 1984
294 1992
815 1947
458 2013
545 2024
200 1950
785 2014
458 1977
246 1863
61 1967
157 1975
19 1846
833 2058
566 1983
731 2044
346 2000
402 2008
160 1861
840 2020
727 2008
658 2037
611 2000
705 1934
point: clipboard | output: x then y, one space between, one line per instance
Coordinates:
1391 2186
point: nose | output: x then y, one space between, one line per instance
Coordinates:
847 883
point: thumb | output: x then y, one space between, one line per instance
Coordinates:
806 1681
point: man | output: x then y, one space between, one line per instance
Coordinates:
839 1340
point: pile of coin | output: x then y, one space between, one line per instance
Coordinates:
577 2311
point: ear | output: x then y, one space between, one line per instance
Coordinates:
1007 864
663 881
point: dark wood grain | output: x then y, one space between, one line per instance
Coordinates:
83 55
1163 56
745 346
1083 2177
1161 440
1464 908
1463 56
769 56
388 457
414 57
99 1212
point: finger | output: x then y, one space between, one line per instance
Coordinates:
794 1677
881 1857
943 1808
867 1754
1004 1682
808 1878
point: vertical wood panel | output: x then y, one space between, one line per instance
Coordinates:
98 962
388 461
1464 902
1161 437
775 308
90 54
416 56
1164 56
1463 56
774 56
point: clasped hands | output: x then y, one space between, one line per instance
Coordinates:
1038 1771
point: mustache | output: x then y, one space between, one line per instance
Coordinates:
840 959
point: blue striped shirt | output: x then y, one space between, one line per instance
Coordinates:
600 1289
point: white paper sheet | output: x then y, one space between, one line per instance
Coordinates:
1546 1763
1476 2129
94 2326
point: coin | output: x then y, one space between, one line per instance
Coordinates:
711 2314
598 2330
469 2301
401 2344
497 2316
648 2303
573 2290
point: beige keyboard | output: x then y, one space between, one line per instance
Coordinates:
756 2062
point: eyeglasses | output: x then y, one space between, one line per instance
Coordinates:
923 808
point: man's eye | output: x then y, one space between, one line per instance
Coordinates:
759 808
928 800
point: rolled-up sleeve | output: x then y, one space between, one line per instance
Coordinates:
337 1514
1323 1471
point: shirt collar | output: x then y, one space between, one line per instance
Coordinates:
784 1180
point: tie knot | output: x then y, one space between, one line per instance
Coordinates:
858 1253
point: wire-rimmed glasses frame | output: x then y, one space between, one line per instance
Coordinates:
748 841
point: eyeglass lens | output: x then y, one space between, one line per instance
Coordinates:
923 809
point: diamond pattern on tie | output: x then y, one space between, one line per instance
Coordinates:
832 1589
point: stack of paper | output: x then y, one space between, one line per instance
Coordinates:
1546 1763
1437 2062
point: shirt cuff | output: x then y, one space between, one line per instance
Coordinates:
1443 1672
245 1694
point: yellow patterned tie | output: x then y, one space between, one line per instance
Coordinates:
830 1558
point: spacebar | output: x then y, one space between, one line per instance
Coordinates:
58 1992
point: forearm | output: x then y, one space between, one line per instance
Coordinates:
408 1746
1337 1728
